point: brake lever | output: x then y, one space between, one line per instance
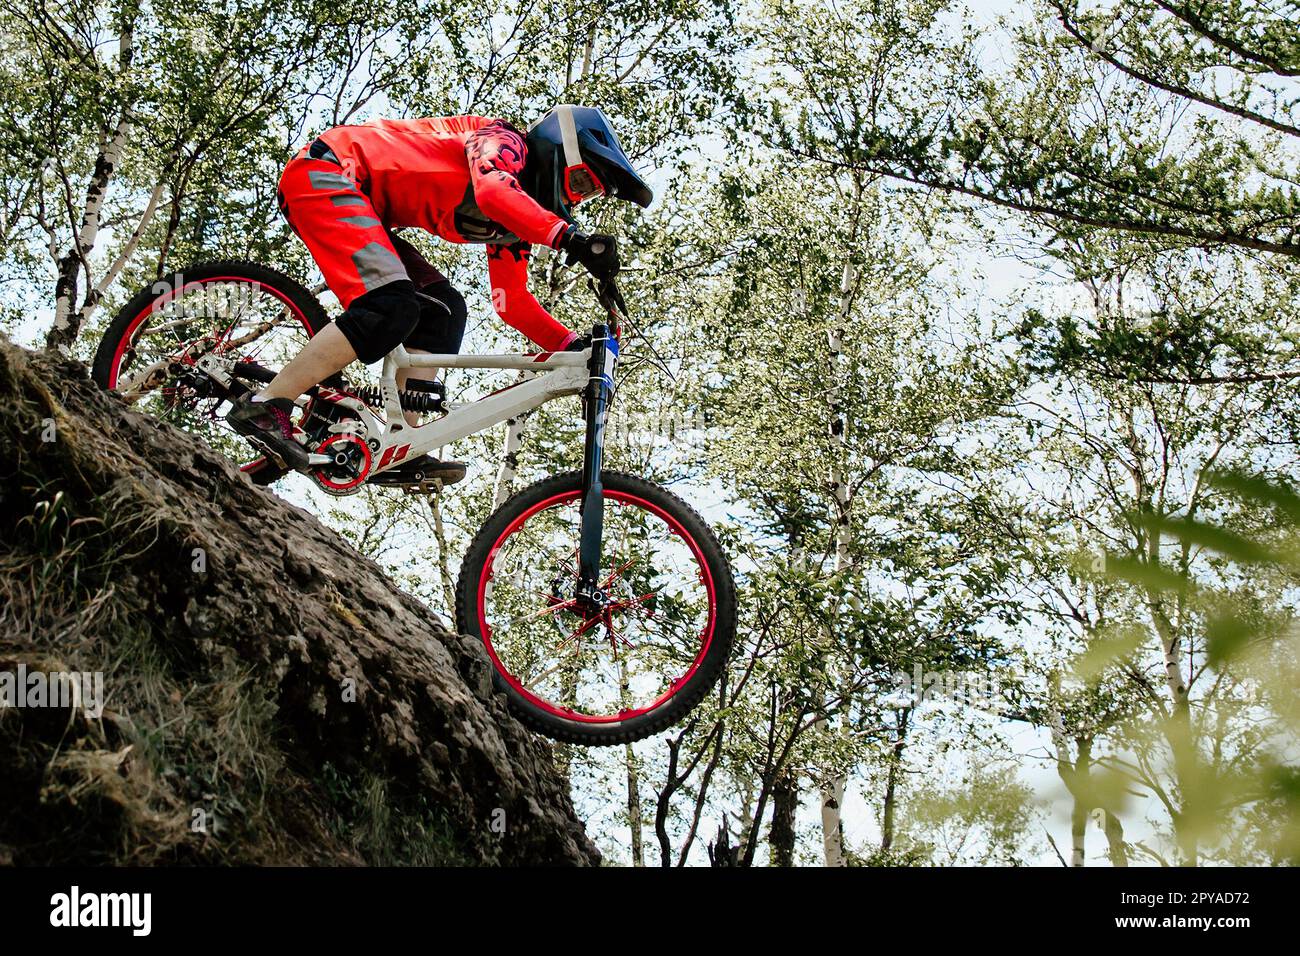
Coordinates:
608 294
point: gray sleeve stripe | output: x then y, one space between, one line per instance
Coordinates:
348 200
322 179
361 222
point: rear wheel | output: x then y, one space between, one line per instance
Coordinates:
228 309
642 662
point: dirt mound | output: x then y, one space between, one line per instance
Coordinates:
267 694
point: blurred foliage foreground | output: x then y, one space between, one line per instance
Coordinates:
1255 644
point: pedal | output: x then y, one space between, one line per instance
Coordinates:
263 471
427 487
216 368
268 453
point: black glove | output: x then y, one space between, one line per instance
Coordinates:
598 253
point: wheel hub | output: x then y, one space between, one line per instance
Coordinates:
590 600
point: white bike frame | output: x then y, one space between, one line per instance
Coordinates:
552 375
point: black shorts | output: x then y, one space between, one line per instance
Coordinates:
376 322
442 321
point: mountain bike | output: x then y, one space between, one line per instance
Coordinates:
604 602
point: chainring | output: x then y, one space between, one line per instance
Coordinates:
352 460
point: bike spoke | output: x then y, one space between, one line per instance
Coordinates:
226 317
621 657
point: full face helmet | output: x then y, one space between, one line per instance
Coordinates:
573 156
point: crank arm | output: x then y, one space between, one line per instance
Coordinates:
314 459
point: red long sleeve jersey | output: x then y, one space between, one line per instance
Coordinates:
456 177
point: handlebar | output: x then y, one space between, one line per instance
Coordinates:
611 299
609 296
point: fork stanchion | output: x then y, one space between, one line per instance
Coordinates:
599 392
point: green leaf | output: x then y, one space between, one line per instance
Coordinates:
1225 637
1151 576
1255 488
1227 543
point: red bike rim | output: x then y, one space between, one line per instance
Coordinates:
166 297
675 686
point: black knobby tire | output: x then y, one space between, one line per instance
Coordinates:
309 308
689 694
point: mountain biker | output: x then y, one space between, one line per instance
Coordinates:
467 179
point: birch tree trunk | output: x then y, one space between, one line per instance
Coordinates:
1080 811
505 482
634 806
95 294
1073 775
633 777
1115 840
890 810
440 534
76 258
833 792
785 804
1178 729
1182 744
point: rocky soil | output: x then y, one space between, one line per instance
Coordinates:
268 695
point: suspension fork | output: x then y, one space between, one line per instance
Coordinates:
596 401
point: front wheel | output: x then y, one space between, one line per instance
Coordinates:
629 670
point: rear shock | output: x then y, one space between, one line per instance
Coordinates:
418 396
